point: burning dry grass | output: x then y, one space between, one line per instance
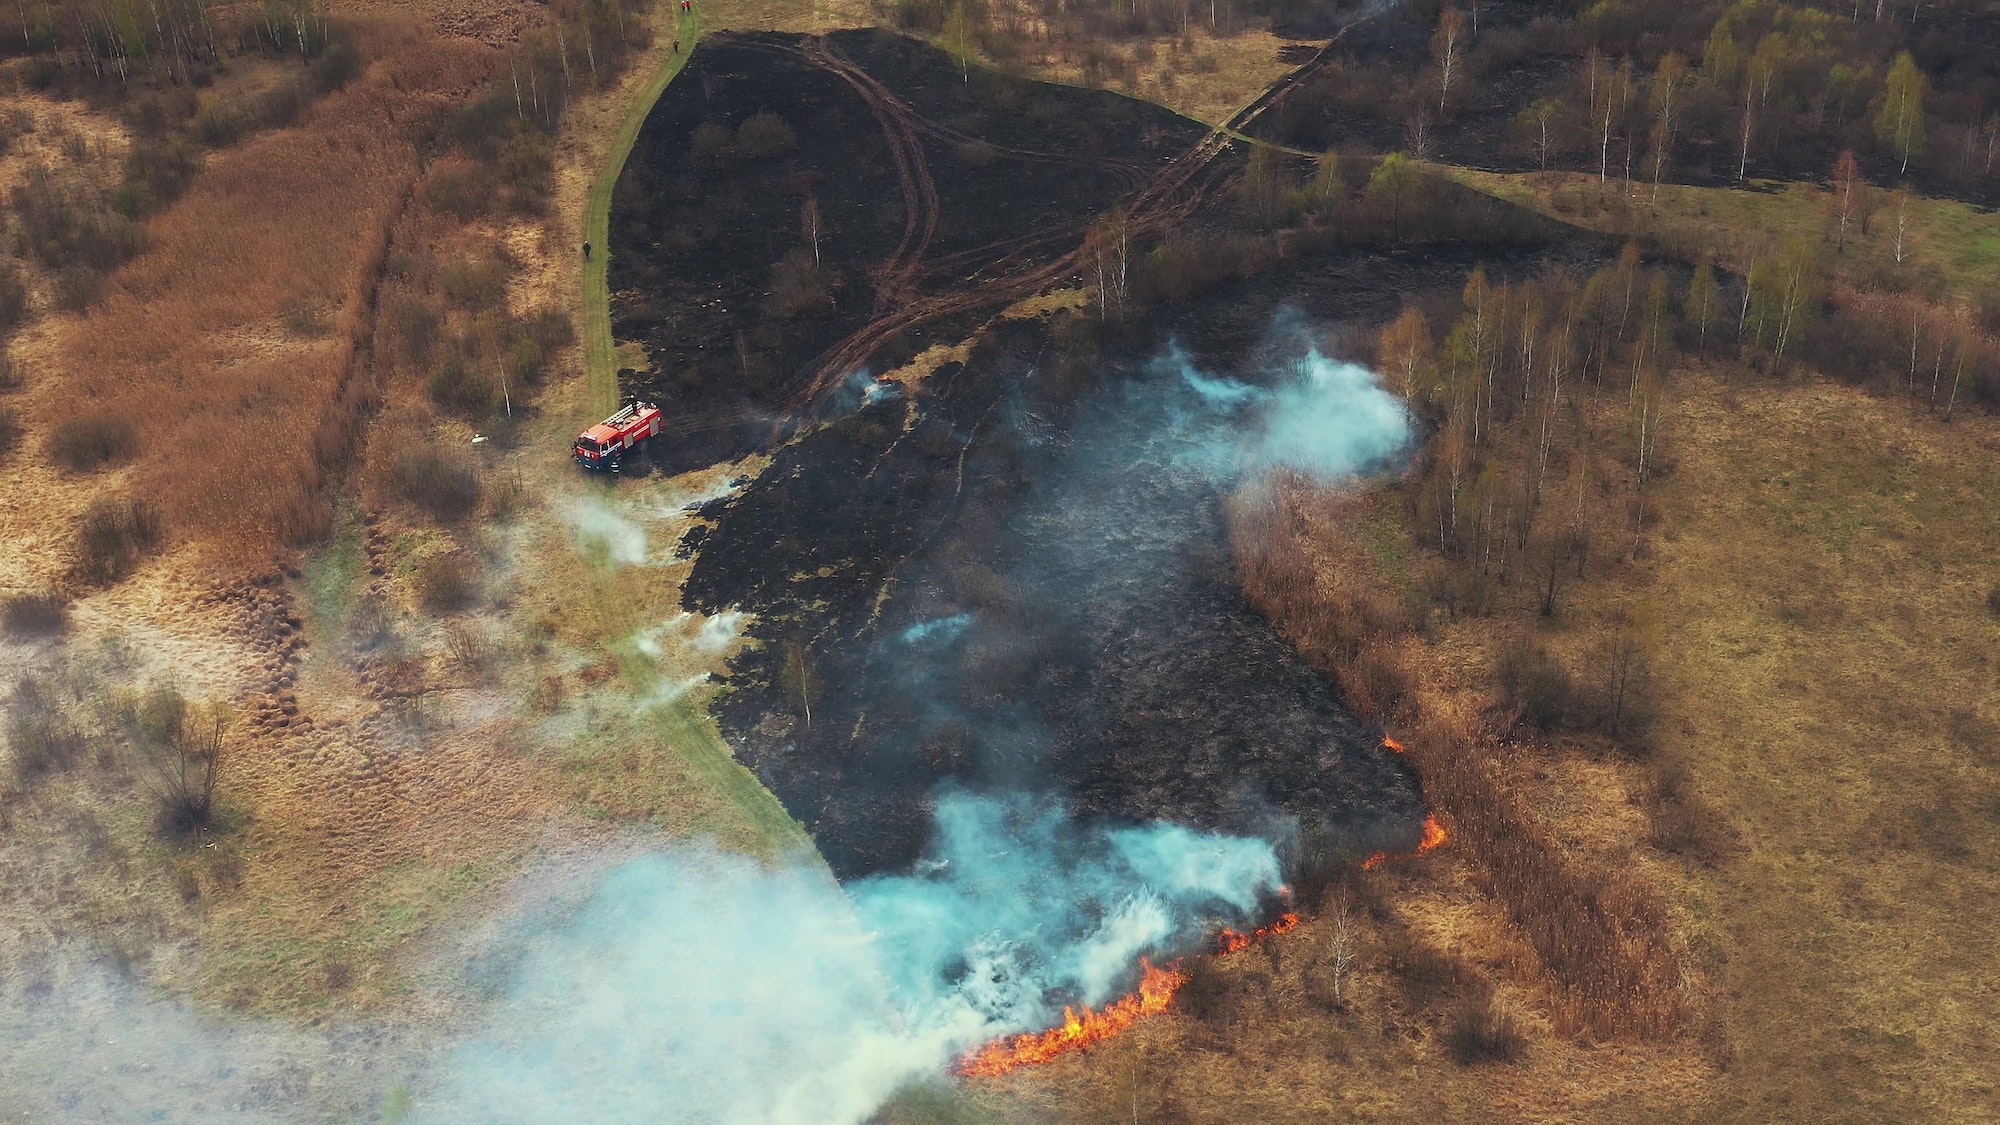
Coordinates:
1600 934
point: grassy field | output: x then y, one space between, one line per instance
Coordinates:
599 359
1956 243
1834 676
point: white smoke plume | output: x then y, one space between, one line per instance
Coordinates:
695 985
600 527
700 986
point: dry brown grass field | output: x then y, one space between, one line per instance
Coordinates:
367 799
1816 945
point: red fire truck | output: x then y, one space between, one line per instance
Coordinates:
605 445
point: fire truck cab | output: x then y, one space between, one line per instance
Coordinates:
603 447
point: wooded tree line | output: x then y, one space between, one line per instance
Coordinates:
1650 92
1546 397
1001 30
176 40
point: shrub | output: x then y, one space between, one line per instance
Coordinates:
302 317
550 328
38 613
1208 994
797 285
13 297
765 135
92 441
526 166
64 226
40 735
219 125
446 583
1534 684
710 141
1486 1032
460 188
416 324
282 104
1993 601
157 171
1425 974
444 485
1683 824
10 431
336 66
183 744
372 624
1376 682
473 283
78 287
460 388
112 537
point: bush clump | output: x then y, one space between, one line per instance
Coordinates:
157 171
183 743
37 613
1534 684
446 583
1209 994
13 297
765 135
92 441
443 485
67 227
1486 1032
474 283
41 738
10 431
457 386
113 536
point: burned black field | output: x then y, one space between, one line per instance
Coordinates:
1016 576
784 198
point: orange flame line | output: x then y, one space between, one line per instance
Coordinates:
1156 988
1082 1028
1434 834
1229 941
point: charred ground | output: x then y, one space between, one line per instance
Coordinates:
718 275
1007 577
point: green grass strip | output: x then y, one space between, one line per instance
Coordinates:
683 726
687 727
599 364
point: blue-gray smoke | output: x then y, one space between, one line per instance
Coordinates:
701 986
1321 417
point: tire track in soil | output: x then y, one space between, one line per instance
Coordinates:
1171 196
1159 203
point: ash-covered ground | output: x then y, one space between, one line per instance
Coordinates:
988 588
1015 576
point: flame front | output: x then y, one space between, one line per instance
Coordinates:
1434 834
1229 941
1156 988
